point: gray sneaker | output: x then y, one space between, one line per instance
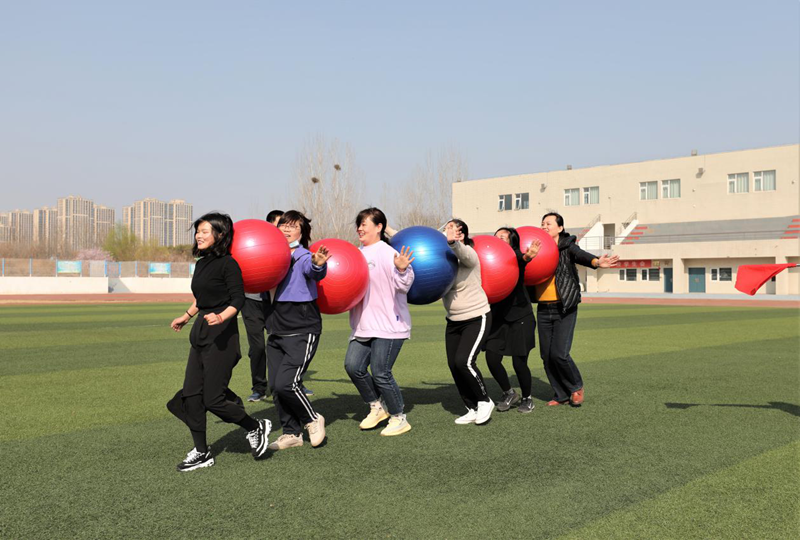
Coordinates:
508 400
526 405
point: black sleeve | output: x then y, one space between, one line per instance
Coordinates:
233 281
581 257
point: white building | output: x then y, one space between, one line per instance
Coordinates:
75 222
680 225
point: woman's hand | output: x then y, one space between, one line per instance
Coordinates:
404 259
321 256
607 262
533 250
454 234
179 322
213 319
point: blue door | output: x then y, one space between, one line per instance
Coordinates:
668 280
697 280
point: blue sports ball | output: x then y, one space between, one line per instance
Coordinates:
434 265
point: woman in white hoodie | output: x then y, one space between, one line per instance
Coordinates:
469 318
380 324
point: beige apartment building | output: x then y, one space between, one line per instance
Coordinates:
680 225
21 222
75 217
45 226
102 223
178 225
168 223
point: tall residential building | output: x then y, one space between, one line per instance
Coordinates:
148 217
127 217
21 226
178 223
5 228
75 221
45 226
103 222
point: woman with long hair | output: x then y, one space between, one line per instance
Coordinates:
557 312
380 324
218 297
468 320
294 327
513 331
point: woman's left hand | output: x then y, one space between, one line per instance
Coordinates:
533 250
404 259
607 262
321 256
213 319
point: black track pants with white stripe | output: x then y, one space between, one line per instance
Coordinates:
288 358
463 341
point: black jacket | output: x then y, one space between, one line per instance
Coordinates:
516 305
567 282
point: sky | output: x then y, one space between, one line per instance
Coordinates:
212 101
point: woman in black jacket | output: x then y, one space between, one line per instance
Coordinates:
558 299
218 297
513 331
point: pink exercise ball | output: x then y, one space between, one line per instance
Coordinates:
262 253
499 270
346 280
544 265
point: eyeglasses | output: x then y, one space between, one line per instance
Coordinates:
289 226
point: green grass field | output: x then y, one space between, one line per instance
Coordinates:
691 429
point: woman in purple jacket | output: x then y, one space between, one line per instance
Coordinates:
294 327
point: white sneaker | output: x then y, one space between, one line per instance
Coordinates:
468 418
485 409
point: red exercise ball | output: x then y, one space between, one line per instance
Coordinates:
262 253
499 270
346 280
544 264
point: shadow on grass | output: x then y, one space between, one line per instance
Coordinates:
790 408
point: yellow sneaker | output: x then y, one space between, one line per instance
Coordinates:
377 414
397 426
286 441
316 431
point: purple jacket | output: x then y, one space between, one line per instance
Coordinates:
300 284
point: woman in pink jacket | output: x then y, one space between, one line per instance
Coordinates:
380 324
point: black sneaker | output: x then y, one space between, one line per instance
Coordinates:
196 460
507 400
526 405
259 438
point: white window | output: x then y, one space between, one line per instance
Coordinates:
572 197
521 201
622 274
654 274
739 183
630 274
670 189
504 203
714 274
726 274
644 274
591 195
648 191
764 181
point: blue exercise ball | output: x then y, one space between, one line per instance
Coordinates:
434 265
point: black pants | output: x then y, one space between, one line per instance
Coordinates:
495 362
254 314
288 358
463 341
556 331
205 388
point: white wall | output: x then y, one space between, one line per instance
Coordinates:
53 285
149 285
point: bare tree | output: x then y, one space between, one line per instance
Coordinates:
427 197
329 188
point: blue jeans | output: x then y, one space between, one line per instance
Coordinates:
381 355
556 331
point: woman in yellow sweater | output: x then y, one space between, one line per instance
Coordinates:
557 312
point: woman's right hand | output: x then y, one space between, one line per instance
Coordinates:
454 234
179 322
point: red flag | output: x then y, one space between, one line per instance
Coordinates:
750 277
